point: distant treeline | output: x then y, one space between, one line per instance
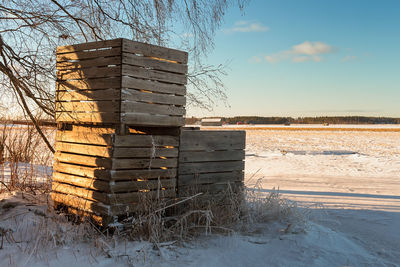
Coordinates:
304 120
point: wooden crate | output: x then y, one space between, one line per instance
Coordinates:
103 173
121 81
210 161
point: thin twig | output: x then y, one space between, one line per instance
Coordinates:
9 190
179 202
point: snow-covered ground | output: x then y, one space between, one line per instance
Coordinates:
347 185
350 182
33 174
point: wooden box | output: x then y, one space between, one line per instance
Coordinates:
121 82
106 174
210 161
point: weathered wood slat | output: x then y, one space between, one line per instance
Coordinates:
212 140
83 160
127 186
80 192
214 134
116 187
219 200
102 220
149 74
88 63
119 164
90 84
89 95
154 51
207 167
120 175
93 117
134 197
81 203
211 188
89 45
85 182
84 138
89 73
145 140
81 55
208 178
153 86
92 129
147 119
121 152
88 106
116 175
91 150
123 209
138 107
148 62
102 214
135 95
110 198
201 156
92 172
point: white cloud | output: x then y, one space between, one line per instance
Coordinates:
349 58
306 51
241 22
246 26
273 58
311 48
256 59
298 59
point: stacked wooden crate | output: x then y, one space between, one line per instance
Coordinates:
119 106
121 81
210 161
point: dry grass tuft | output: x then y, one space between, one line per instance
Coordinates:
263 207
231 211
27 222
24 159
37 230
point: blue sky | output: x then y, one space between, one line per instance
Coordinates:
310 58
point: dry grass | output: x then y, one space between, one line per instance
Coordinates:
23 159
27 221
262 208
37 230
229 212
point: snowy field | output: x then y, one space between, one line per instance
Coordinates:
350 182
346 184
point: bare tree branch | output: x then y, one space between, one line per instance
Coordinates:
30 31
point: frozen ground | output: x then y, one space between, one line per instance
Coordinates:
334 168
349 180
347 185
